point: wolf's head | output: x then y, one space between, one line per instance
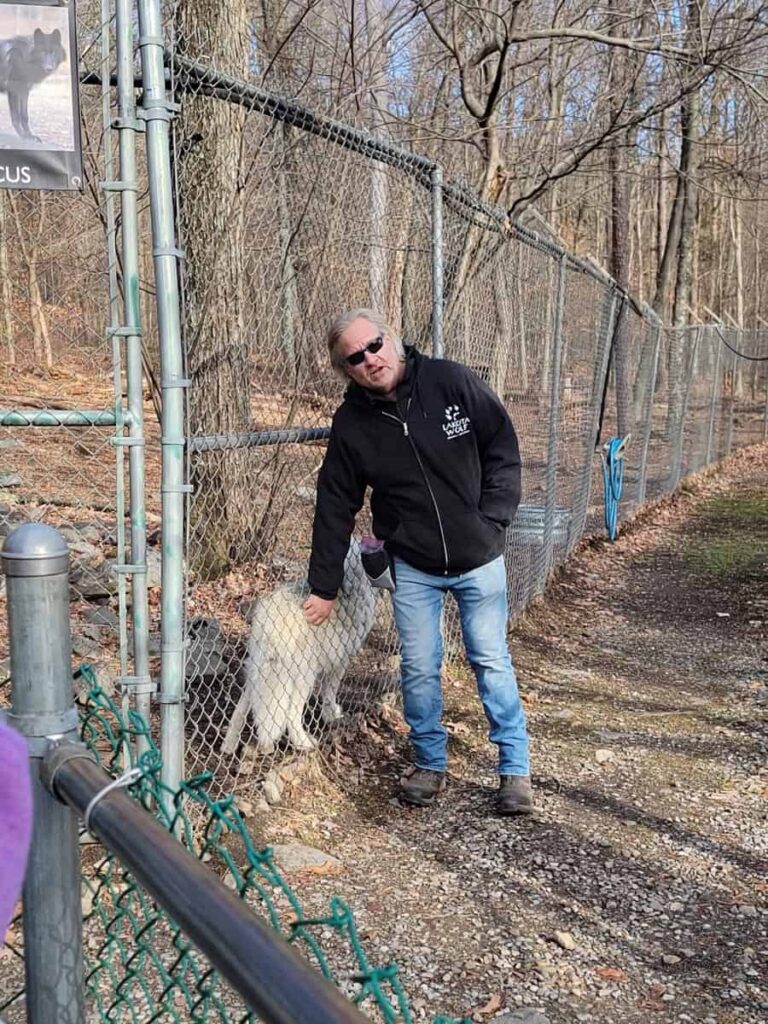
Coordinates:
47 51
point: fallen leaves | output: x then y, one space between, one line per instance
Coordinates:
495 1003
611 974
653 998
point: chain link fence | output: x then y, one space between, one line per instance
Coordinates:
286 219
139 965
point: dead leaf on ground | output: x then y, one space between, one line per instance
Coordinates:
611 973
494 1003
393 718
459 728
328 867
652 999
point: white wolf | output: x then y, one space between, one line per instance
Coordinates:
288 658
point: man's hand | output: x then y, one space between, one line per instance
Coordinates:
317 609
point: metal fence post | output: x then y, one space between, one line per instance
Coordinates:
157 112
604 337
648 414
717 389
438 347
140 684
35 560
554 424
729 428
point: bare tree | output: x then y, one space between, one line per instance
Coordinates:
210 134
29 235
8 326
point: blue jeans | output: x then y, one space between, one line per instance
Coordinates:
482 599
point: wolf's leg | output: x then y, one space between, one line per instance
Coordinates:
269 709
239 715
299 737
13 106
24 111
299 681
330 710
269 732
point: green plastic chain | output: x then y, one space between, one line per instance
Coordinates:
139 965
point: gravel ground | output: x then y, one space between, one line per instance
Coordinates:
640 886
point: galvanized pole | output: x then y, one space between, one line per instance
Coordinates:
554 426
729 434
678 464
604 332
110 186
35 560
140 683
717 389
157 112
438 296
648 414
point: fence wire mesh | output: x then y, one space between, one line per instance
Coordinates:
139 965
287 219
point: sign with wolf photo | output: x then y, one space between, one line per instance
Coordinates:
40 116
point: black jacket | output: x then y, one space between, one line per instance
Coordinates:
443 465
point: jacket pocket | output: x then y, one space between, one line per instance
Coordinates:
473 540
500 527
419 543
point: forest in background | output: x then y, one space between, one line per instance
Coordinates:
632 132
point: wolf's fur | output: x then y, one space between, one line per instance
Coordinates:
288 658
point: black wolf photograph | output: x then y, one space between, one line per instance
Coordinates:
35 77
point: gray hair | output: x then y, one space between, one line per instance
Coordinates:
341 323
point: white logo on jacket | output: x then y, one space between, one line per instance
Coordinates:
455 424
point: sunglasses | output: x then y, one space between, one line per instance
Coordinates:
357 357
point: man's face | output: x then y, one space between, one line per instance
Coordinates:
379 371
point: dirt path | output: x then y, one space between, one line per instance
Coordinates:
640 888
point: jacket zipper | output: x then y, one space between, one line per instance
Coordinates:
403 423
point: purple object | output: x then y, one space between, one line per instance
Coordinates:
15 820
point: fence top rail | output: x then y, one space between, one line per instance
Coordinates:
236 90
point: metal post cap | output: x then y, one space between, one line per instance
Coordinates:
34 549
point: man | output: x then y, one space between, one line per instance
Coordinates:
440 454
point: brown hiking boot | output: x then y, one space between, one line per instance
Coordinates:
515 795
420 787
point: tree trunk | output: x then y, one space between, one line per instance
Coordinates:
377 73
690 161
7 295
290 314
29 246
687 192
621 89
737 237
676 245
661 188
210 134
